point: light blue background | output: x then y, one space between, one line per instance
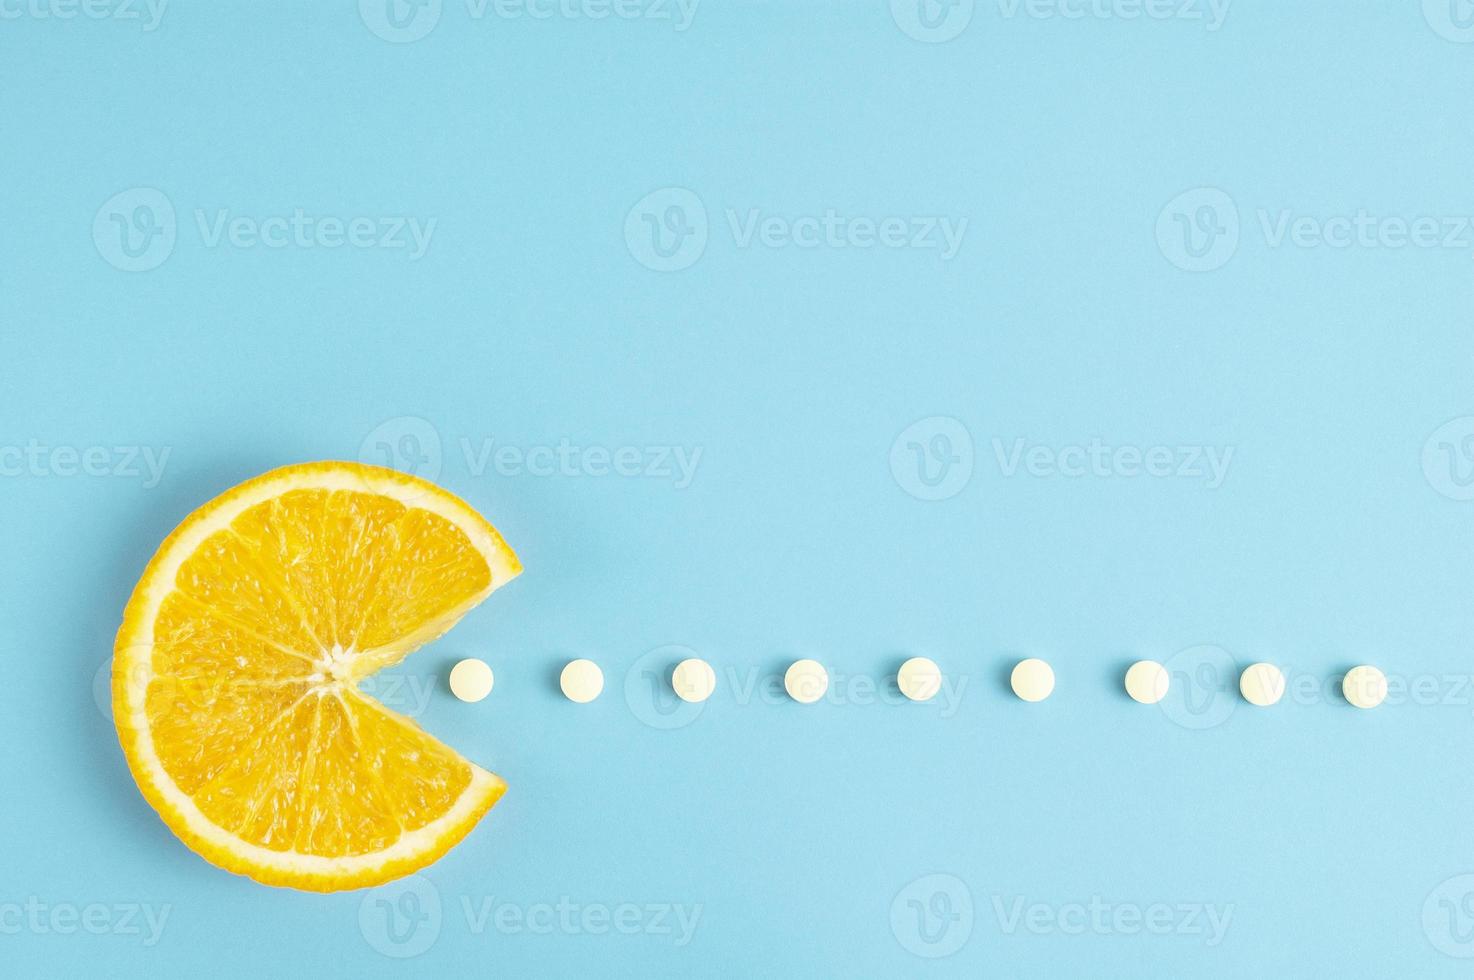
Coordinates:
529 320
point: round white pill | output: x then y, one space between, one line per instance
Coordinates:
1365 687
919 679
1032 679
1147 681
693 680
1262 684
471 680
581 680
806 681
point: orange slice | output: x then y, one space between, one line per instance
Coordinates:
236 671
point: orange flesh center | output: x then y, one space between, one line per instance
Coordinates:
253 703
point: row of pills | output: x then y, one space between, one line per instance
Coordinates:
920 679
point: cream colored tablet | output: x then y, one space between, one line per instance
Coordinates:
581 680
1032 679
1365 687
806 681
694 680
1262 684
471 680
1147 681
919 679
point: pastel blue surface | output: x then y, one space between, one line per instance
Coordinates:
1183 232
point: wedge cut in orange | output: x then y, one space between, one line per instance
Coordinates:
236 671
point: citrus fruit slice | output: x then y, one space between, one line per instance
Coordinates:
236 671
